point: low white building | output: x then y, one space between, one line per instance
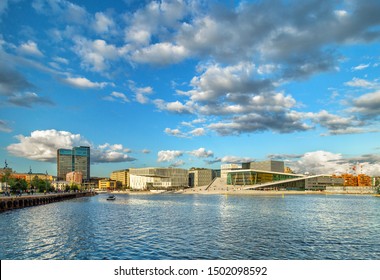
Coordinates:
158 178
60 185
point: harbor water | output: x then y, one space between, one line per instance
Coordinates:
183 227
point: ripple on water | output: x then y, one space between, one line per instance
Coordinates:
195 227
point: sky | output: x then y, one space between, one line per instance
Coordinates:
191 83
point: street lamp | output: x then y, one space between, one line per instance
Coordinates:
30 177
46 181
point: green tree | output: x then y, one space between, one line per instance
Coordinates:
18 184
41 185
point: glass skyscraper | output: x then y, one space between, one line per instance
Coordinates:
76 159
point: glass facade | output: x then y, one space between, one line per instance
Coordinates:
76 159
251 177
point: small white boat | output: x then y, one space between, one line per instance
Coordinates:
111 197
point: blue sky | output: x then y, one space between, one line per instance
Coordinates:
191 83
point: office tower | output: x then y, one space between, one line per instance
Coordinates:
76 159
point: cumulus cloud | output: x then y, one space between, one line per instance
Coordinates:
324 162
202 153
110 153
174 107
103 23
174 132
200 131
95 55
160 53
153 19
368 105
42 145
168 155
282 122
337 124
141 93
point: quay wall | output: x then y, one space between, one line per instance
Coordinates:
16 202
350 190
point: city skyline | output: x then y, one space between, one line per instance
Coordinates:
190 84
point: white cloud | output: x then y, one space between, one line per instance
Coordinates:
174 132
324 162
368 105
141 93
174 107
103 23
198 131
110 153
202 153
160 53
117 96
357 82
42 145
82 82
320 162
168 155
95 55
61 60
360 67
230 159
30 48
146 151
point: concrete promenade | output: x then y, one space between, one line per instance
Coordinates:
15 202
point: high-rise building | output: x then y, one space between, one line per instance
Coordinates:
76 159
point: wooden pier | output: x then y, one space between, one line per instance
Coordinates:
16 202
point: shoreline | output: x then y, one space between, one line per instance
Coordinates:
244 192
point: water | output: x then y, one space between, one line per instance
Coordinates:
171 226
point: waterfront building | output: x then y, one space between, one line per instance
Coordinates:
75 159
107 184
364 180
351 180
226 168
122 177
60 185
74 177
158 178
200 177
288 170
255 177
268 180
267 165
